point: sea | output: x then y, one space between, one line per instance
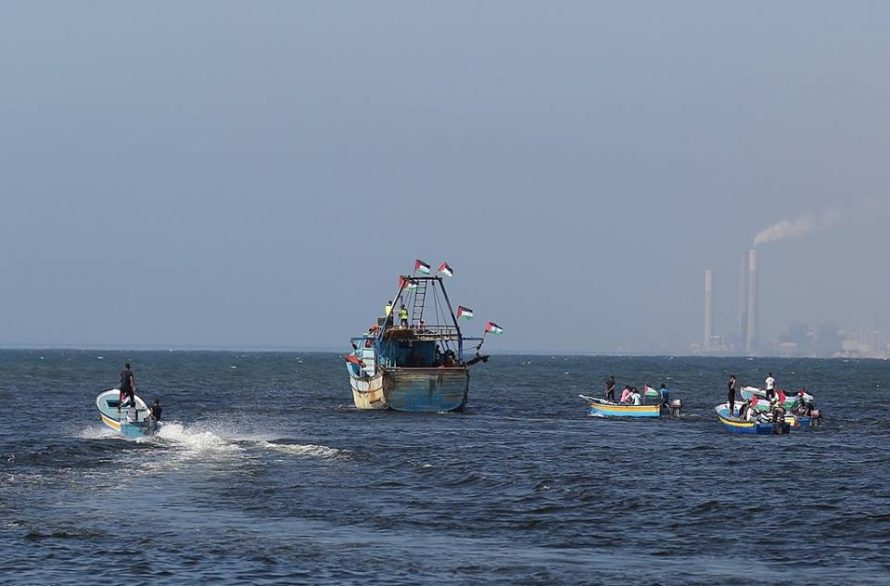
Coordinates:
265 473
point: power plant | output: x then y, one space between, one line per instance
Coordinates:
747 340
709 311
743 303
751 337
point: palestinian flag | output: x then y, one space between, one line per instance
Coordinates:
446 270
421 266
464 312
493 328
650 391
407 283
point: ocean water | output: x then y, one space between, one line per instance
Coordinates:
265 473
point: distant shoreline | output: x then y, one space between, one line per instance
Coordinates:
511 352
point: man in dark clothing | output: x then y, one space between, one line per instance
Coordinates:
128 388
731 394
156 410
154 416
610 388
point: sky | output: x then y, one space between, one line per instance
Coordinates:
256 174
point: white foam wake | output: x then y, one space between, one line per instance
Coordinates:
310 450
194 439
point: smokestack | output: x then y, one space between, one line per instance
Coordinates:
743 303
709 310
751 344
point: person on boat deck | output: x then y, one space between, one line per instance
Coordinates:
625 394
804 407
156 410
610 388
775 406
731 393
127 388
743 409
665 396
770 383
635 398
387 313
750 412
403 316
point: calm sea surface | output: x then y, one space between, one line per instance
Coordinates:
265 473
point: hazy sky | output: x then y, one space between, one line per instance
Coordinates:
256 174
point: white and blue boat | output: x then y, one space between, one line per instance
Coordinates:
731 422
799 407
131 421
414 363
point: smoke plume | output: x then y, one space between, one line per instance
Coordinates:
793 228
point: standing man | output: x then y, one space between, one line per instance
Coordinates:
610 388
387 314
731 394
128 387
770 383
665 396
403 316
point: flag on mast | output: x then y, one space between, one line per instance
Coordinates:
446 270
493 328
421 266
407 283
464 312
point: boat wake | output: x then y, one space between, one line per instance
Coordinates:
309 450
193 439
207 440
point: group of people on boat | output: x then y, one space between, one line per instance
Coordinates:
630 395
387 319
748 410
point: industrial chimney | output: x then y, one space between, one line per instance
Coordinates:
709 310
743 304
751 344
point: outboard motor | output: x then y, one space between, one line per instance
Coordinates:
676 406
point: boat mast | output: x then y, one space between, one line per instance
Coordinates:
460 338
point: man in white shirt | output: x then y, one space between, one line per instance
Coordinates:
770 385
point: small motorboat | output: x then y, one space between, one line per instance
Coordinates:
131 421
799 406
604 408
758 426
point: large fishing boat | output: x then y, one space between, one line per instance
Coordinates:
412 359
